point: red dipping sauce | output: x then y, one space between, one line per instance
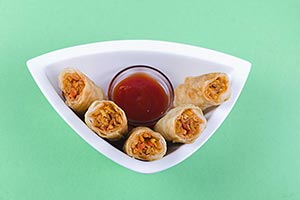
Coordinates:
143 96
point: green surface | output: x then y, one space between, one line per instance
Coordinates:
253 155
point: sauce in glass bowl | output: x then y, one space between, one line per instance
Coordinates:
144 93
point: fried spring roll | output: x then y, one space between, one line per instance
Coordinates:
107 120
204 91
145 144
78 90
182 124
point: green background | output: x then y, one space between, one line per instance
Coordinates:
255 154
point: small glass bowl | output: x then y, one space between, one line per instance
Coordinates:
154 73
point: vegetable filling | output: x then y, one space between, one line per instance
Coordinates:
216 88
107 118
73 86
146 145
188 124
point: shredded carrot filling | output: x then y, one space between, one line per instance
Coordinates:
73 86
107 118
216 88
146 145
187 124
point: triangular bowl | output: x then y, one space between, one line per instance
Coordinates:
101 61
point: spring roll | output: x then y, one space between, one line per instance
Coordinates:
182 124
78 90
107 120
204 91
145 144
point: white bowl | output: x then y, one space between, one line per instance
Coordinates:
101 61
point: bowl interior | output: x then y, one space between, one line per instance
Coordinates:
101 66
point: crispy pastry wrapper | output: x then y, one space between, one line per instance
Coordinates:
145 144
204 91
182 124
79 91
107 120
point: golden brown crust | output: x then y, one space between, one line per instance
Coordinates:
145 144
204 91
78 90
107 120
182 124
